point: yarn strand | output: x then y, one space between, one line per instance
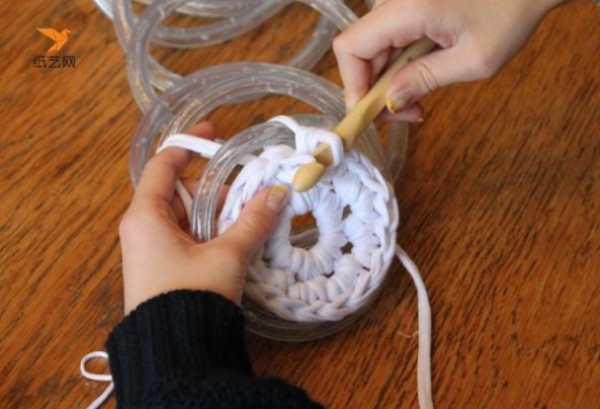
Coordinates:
424 389
99 401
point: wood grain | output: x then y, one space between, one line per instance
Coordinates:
500 207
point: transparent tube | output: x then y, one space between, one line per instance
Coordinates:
145 72
201 8
214 33
191 100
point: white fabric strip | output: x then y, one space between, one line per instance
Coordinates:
97 377
204 147
305 135
425 392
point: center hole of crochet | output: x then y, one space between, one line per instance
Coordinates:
303 221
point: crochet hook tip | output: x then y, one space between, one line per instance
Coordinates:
307 176
323 154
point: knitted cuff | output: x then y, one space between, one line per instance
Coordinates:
185 334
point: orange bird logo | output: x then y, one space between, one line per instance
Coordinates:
59 38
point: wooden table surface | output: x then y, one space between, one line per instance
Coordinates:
500 202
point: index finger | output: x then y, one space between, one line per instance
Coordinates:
157 183
385 27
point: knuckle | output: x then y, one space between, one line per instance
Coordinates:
256 223
426 77
482 65
128 226
160 160
340 44
132 223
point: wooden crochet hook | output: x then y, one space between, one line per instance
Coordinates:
359 117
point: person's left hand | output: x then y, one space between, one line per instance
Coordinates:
160 256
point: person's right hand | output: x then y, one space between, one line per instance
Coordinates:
476 38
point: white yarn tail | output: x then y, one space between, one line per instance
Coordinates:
424 389
97 377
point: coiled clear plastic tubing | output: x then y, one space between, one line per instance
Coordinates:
200 8
145 73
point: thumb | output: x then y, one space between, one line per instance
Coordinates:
255 223
428 73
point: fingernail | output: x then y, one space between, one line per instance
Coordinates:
277 197
396 102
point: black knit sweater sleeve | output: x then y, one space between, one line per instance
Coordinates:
186 349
